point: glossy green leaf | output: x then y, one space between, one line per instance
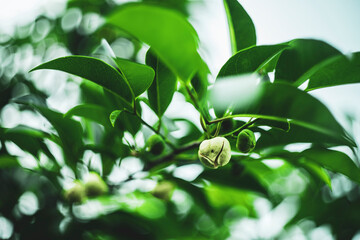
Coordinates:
338 70
90 111
241 27
278 101
162 29
163 87
302 55
127 121
250 60
94 70
335 161
139 76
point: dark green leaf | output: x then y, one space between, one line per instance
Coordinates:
336 71
241 27
94 70
251 59
302 55
278 101
92 112
162 29
139 76
335 161
296 134
163 87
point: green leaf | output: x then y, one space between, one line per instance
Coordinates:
278 101
8 161
336 71
226 177
94 70
241 27
28 139
70 134
163 87
302 55
138 75
167 32
335 161
316 171
250 60
296 134
114 116
90 111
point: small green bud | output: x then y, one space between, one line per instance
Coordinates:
215 152
246 141
76 194
95 185
155 144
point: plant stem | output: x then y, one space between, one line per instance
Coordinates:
249 123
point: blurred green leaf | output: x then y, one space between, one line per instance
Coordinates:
240 180
241 27
335 161
302 55
28 139
280 102
316 171
92 112
163 87
162 29
94 70
139 76
250 60
8 161
336 71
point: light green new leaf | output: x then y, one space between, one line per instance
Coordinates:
163 87
278 101
94 70
138 75
92 112
167 32
335 161
302 55
241 27
250 60
114 116
336 71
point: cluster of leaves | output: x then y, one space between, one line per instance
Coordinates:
114 94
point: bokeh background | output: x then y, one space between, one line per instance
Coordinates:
35 31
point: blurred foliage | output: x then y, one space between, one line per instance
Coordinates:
58 130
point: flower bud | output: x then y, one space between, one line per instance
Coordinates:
95 185
215 152
246 141
155 144
76 194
